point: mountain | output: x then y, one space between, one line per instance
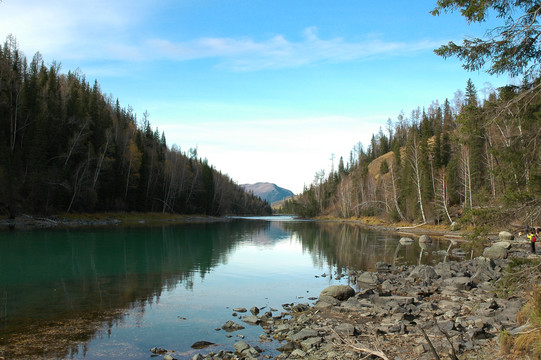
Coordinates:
268 191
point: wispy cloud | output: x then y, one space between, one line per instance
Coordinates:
246 54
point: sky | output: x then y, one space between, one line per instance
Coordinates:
267 91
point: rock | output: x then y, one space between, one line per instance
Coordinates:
232 326
201 344
406 241
495 252
287 347
459 283
197 357
311 343
252 320
241 310
368 278
254 310
298 353
300 308
157 350
303 335
345 329
423 272
506 236
425 239
242 348
169 357
340 292
503 244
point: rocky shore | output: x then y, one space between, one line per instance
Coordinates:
447 311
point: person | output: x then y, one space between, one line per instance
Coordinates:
533 238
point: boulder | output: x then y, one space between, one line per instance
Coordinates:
425 239
423 272
495 252
254 310
368 278
506 236
340 292
503 244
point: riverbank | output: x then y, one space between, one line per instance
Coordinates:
28 222
451 310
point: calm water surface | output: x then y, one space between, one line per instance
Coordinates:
170 286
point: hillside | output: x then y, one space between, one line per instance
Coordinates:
268 191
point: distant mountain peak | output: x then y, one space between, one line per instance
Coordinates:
268 191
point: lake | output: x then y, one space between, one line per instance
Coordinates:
116 292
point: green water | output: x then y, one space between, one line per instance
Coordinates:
114 293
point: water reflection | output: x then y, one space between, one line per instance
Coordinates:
60 289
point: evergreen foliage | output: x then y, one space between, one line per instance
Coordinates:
66 147
441 162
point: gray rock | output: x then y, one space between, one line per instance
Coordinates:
503 244
345 329
495 252
251 319
232 326
340 292
197 357
168 357
298 353
368 278
311 343
241 346
241 310
425 239
459 283
423 272
157 350
300 308
303 335
254 310
506 236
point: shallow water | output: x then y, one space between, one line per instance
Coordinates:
170 286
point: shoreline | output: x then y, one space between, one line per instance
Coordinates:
31 222
441 311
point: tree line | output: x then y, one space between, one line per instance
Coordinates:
440 163
67 147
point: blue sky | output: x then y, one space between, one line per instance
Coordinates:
266 90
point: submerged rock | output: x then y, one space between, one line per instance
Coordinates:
201 344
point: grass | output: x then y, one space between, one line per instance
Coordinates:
523 276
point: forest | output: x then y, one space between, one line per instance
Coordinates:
473 159
465 157
66 147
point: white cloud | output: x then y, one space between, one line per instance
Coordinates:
246 54
104 30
